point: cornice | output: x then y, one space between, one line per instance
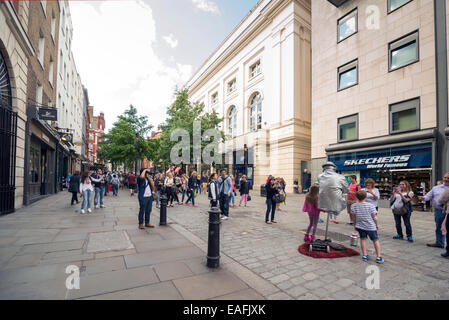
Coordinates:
16 27
250 33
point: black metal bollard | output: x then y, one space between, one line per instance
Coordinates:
163 211
213 245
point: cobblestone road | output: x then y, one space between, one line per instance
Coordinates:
411 271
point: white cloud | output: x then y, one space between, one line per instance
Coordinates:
206 6
171 40
117 62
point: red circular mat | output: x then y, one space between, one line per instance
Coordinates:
304 249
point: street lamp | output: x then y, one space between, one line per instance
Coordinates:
135 167
245 149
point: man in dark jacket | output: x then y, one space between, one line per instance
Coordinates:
146 190
74 187
99 183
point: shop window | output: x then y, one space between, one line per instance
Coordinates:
33 174
348 128
396 4
404 116
347 25
403 51
348 75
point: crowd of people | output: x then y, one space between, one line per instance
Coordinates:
362 207
360 202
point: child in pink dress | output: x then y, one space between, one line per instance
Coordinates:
311 207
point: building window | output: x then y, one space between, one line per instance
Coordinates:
396 4
347 25
232 86
44 6
39 93
41 48
255 69
214 98
232 124
53 25
348 128
348 75
255 112
50 71
404 116
403 51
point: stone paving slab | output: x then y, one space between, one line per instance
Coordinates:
172 270
107 282
108 241
209 285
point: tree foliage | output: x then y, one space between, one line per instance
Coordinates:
181 115
119 145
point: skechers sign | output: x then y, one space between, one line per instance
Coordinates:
416 156
381 163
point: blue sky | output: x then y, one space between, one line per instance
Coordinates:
138 51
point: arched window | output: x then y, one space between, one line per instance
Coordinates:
5 85
255 112
232 124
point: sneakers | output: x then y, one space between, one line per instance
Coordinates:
410 239
82 211
306 238
102 207
187 204
445 255
398 237
272 221
312 238
380 260
267 222
224 218
89 210
365 258
97 207
195 205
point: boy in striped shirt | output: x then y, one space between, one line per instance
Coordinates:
365 215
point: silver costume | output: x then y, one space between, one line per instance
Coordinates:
333 186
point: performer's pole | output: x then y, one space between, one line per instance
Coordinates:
327 226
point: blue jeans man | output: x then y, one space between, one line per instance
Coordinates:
146 206
439 218
271 207
99 191
224 204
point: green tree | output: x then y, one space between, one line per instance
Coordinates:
119 145
181 115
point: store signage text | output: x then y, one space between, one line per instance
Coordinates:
381 162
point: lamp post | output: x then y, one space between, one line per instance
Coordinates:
135 166
245 149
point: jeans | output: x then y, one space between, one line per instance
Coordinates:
408 226
183 195
224 204
115 189
439 218
447 238
232 199
271 206
99 191
146 205
87 195
158 198
191 196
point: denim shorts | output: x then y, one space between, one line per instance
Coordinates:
365 234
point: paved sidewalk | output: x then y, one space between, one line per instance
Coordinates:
116 260
258 261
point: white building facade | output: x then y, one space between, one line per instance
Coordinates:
70 95
258 80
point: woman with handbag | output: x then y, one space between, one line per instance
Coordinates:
244 190
272 191
402 209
